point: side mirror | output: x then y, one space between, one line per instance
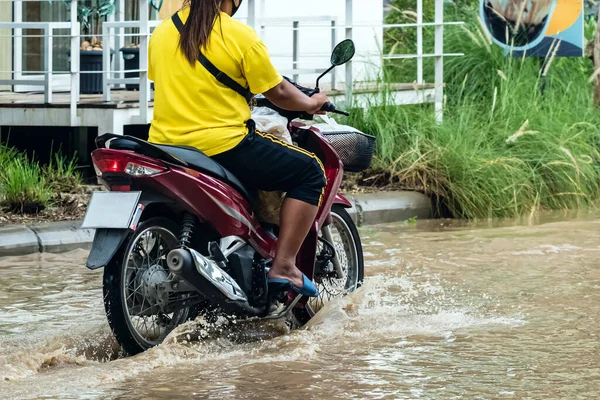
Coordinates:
343 53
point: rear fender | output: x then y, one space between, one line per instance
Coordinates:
104 247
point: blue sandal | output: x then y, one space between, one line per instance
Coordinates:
308 287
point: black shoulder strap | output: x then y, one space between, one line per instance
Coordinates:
216 72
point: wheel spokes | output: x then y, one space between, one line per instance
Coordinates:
143 273
345 249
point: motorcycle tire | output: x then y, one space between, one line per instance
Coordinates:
115 303
347 230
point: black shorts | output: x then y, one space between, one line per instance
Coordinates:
263 162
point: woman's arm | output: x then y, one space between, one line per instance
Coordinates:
287 96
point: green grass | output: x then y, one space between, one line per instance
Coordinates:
62 174
23 187
27 188
7 155
504 149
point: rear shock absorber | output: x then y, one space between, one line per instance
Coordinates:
187 230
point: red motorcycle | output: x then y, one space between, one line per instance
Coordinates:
178 237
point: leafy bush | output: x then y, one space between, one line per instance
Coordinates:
62 175
23 187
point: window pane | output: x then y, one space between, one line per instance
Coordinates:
33 47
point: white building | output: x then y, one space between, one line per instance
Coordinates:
39 86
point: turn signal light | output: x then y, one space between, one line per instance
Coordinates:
134 169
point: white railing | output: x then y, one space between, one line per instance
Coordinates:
144 85
48 29
113 38
294 22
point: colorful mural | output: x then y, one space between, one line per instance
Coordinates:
536 28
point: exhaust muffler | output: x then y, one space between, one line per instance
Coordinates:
208 278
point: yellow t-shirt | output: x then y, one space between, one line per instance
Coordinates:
190 106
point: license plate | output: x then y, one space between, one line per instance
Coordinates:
112 210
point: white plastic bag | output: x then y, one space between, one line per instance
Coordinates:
269 121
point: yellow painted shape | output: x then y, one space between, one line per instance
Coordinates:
565 14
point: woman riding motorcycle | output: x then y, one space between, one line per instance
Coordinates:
193 108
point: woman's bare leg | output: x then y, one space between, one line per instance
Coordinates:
296 218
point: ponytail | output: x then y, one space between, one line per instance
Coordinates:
196 31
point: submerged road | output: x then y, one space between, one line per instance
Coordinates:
448 310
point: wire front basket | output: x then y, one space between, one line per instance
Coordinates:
354 148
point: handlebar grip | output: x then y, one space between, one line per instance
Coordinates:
328 107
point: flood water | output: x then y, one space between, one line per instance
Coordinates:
448 310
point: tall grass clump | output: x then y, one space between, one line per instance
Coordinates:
516 137
23 187
62 174
7 155
27 188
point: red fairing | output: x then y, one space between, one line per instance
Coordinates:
208 198
334 171
219 204
227 210
222 206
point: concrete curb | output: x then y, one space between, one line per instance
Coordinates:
17 240
367 209
387 207
62 236
55 237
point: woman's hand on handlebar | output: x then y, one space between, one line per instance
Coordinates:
289 97
320 100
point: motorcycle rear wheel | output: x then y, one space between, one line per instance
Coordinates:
130 300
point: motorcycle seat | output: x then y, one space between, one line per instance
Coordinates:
186 156
202 163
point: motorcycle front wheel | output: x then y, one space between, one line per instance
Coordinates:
344 238
133 300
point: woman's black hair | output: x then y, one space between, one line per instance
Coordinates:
198 27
